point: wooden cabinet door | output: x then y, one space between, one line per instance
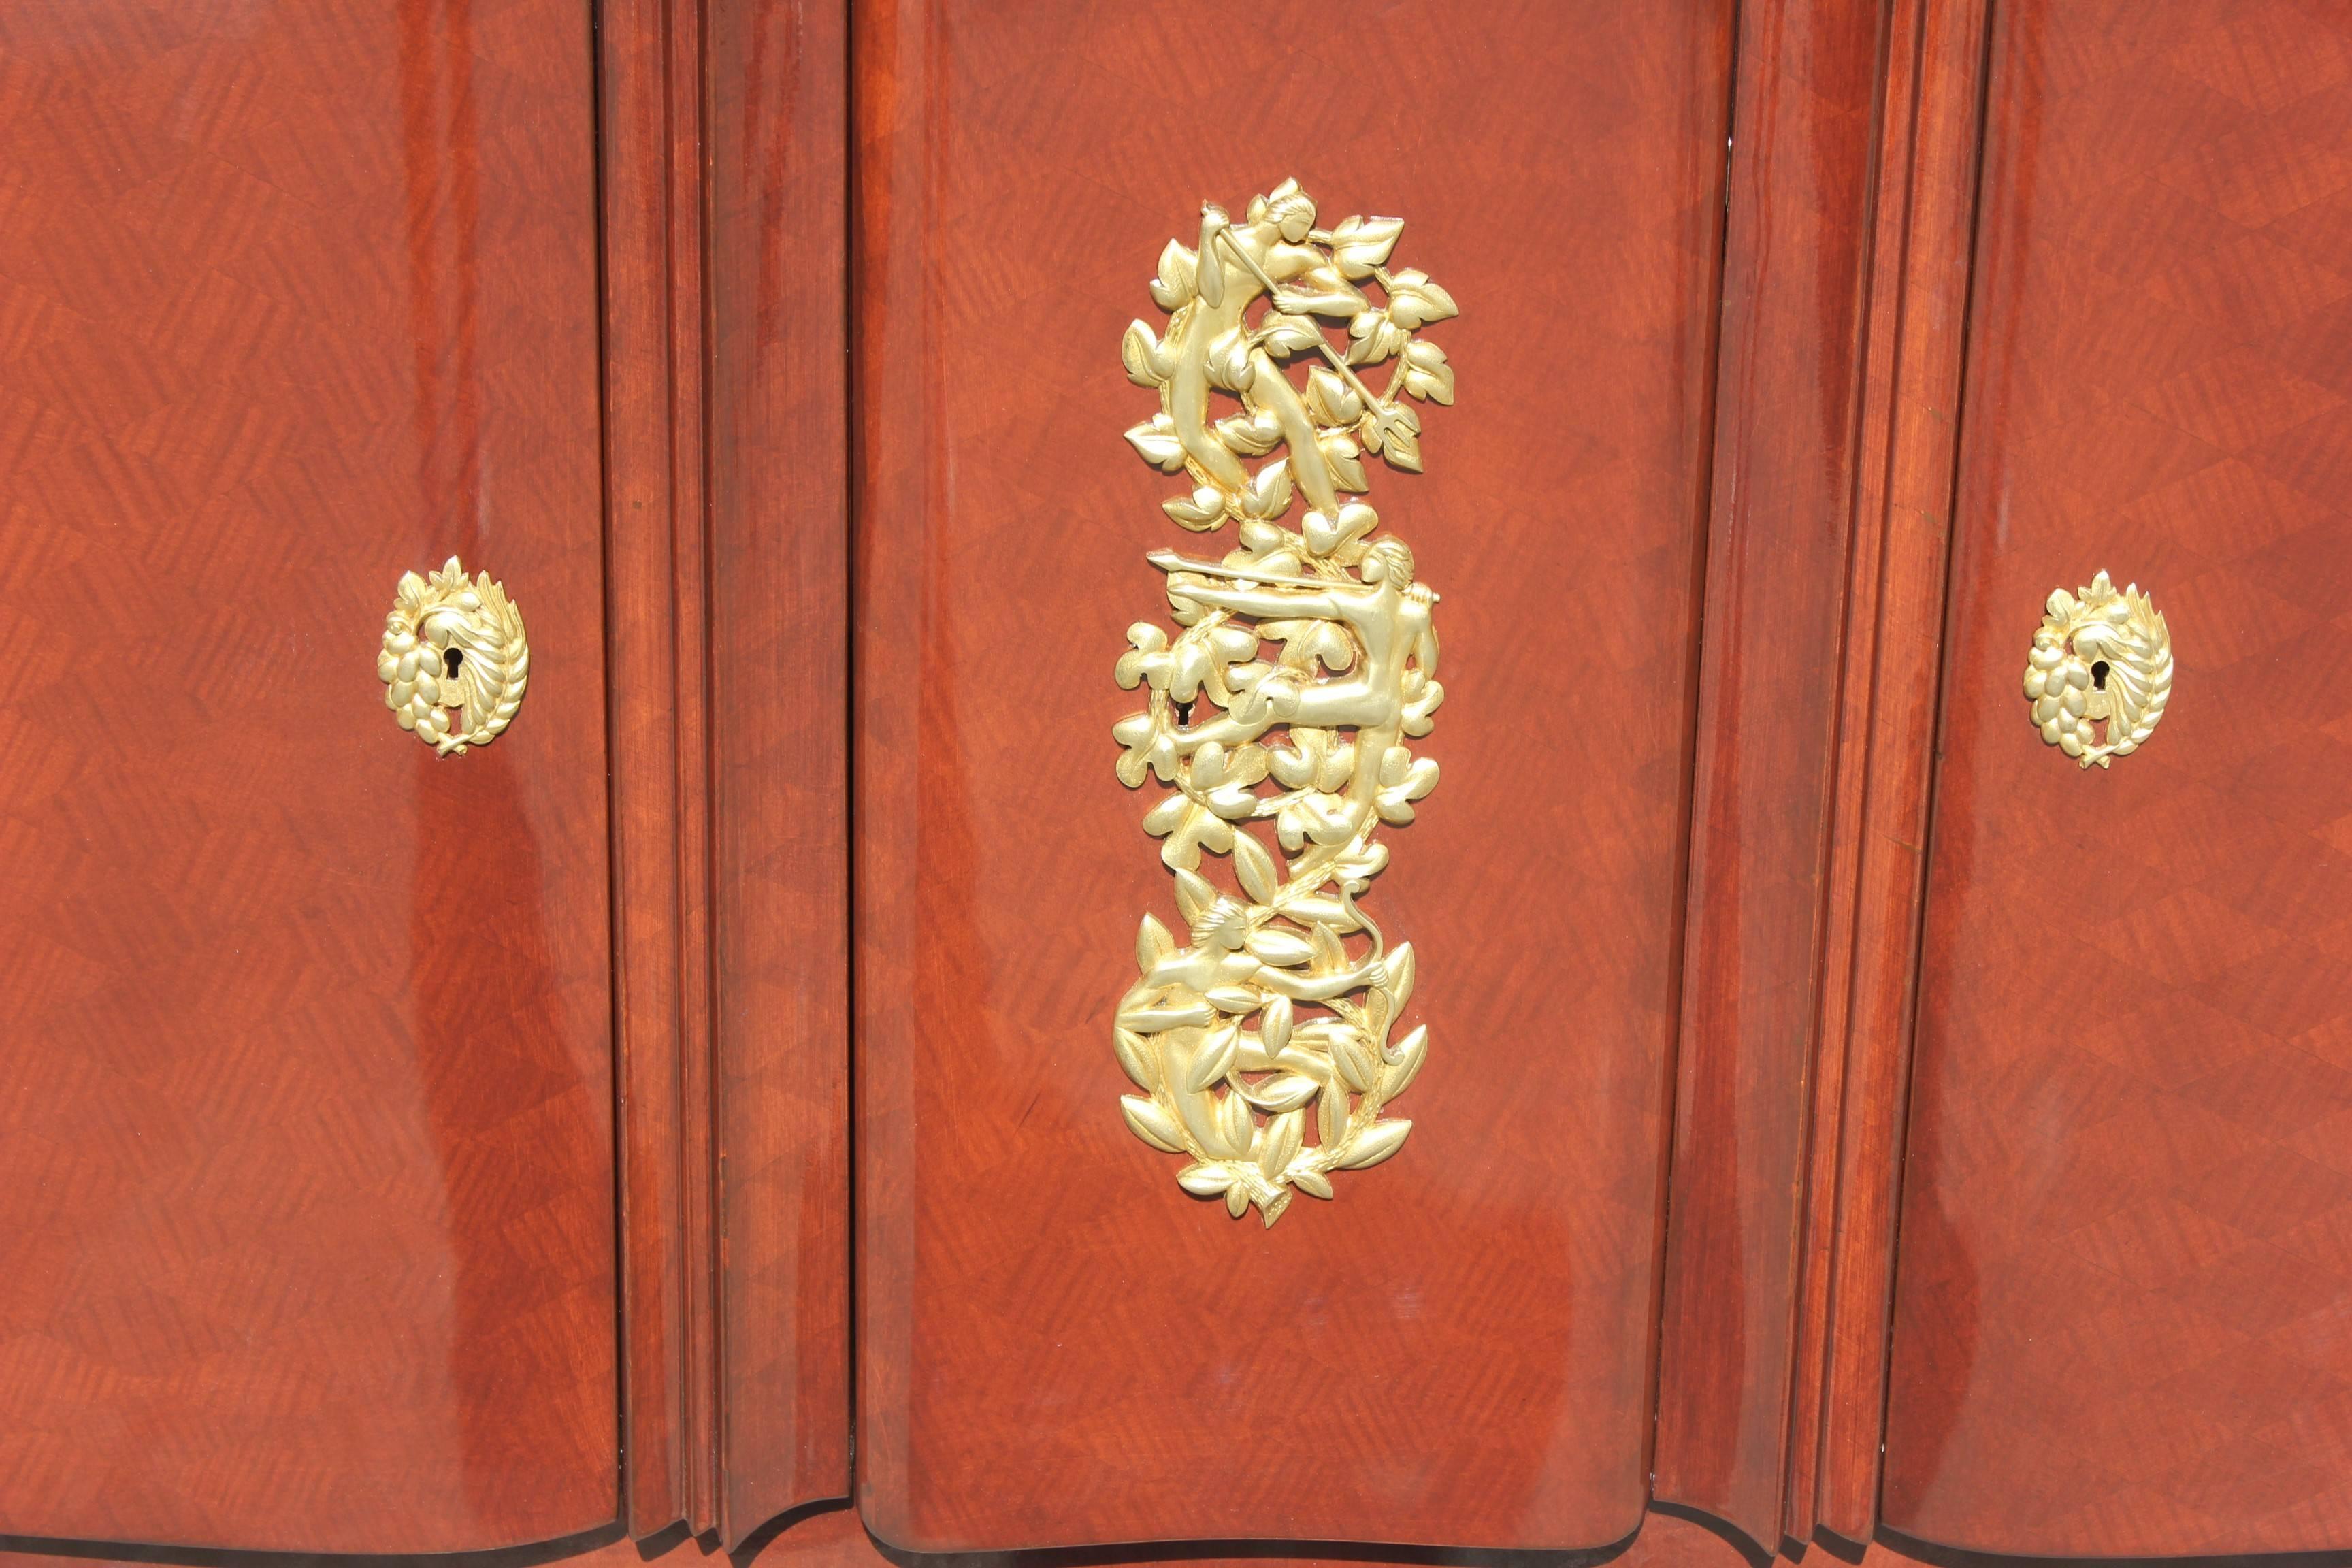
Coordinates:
1060 1343
306 1125
2126 1253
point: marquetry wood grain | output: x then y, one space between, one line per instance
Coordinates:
1057 1345
2127 1242
1796 255
306 1130
779 748
1903 494
647 488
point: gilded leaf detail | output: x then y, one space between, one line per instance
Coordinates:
1264 1030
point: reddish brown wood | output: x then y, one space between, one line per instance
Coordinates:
690 572
306 1130
1909 425
833 1537
1056 1344
643 461
779 585
1833 1085
2126 1276
1795 262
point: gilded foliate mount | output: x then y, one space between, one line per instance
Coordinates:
1302 663
2101 671
455 662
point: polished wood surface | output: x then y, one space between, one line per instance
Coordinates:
779 584
306 1130
1925 221
834 1537
1795 269
653 372
370 1181
2126 1243
725 180
1057 1345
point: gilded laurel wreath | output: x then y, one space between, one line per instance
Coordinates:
1304 660
453 645
2101 671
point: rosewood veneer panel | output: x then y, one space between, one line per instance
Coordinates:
1057 1345
306 1132
2126 1262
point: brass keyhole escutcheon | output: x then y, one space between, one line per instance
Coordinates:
455 661
2101 671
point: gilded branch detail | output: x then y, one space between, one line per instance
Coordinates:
1303 662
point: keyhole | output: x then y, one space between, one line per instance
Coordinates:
1183 712
2098 673
453 659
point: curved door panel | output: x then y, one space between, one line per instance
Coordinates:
306 1187
2126 1241
1059 1343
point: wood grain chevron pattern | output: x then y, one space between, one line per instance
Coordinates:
1054 1346
305 1127
2125 1257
